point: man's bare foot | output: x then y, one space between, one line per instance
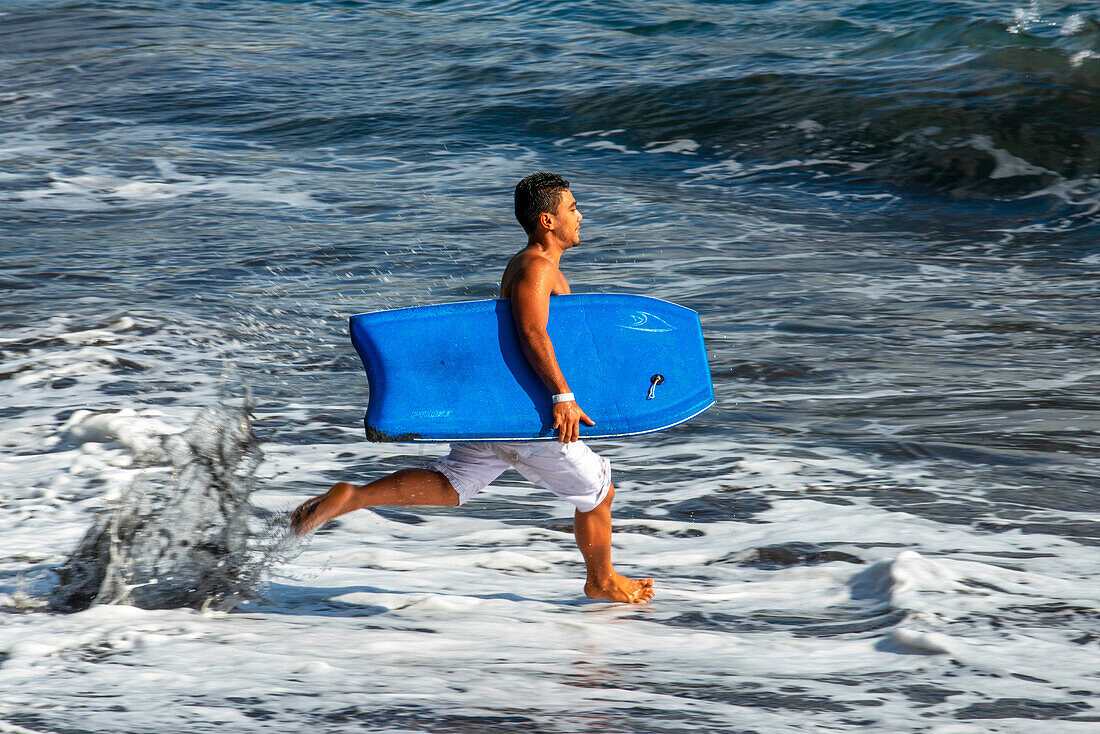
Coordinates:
620 588
315 512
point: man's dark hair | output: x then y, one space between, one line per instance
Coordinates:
540 192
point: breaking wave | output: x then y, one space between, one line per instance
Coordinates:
974 108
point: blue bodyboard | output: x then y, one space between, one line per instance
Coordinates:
456 372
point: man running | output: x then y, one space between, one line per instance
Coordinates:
548 212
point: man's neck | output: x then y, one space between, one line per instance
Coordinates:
548 249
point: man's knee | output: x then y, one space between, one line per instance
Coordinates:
605 503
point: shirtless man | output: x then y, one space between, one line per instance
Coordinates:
548 212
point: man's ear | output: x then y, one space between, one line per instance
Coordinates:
546 220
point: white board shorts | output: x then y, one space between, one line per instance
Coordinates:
572 471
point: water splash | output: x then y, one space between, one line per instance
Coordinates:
186 537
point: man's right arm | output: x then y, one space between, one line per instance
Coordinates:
531 313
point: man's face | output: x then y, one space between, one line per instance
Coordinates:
567 220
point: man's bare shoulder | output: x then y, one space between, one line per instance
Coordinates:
528 265
531 258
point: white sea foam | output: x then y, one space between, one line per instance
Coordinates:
463 613
1007 165
1024 18
808 126
1073 25
734 168
100 188
137 435
608 145
506 606
684 146
462 608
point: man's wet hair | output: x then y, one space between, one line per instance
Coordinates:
540 192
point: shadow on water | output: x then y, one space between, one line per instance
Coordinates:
186 537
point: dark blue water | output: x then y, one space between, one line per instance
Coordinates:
885 213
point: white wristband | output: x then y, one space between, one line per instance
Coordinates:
564 397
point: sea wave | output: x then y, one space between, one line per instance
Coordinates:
988 104
990 121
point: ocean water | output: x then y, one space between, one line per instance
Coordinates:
884 212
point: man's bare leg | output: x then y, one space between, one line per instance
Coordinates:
593 531
403 488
